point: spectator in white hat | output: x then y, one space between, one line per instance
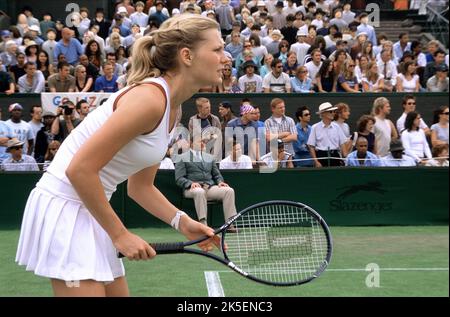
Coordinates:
301 47
327 140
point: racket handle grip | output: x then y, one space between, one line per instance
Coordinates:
164 248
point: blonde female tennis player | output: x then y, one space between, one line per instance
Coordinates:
70 231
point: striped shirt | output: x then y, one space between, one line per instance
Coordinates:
286 124
280 84
25 164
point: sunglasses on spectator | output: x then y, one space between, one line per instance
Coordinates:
306 114
411 103
351 65
446 113
16 148
302 72
279 66
284 45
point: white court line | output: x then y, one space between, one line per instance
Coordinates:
213 284
381 269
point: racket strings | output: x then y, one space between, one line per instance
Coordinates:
278 243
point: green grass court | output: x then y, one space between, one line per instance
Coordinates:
413 261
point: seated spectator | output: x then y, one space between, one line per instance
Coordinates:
197 174
226 113
347 82
18 161
439 82
6 83
229 82
276 81
361 156
91 69
139 16
301 83
52 148
302 157
372 81
69 46
266 68
107 82
362 67
83 82
283 51
325 78
250 82
439 130
314 65
364 129
33 81
279 159
43 65
290 66
235 47
8 57
430 69
414 139
18 70
236 160
408 80
388 69
327 141
397 157
62 81
440 156
94 53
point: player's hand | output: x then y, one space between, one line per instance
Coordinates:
133 247
192 230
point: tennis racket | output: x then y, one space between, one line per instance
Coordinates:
280 243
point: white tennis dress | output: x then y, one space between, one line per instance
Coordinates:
59 237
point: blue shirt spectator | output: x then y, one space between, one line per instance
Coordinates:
301 150
301 86
5 134
69 47
369 160
102 84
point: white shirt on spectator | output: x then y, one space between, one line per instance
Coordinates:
250 84
389 161
401 123
301 49
243 162
383 132
415 144
408 85
22 131
37 86
391 71
280 84
325 138
313 69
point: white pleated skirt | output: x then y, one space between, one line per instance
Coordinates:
60 239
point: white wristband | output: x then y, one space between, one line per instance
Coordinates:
176 220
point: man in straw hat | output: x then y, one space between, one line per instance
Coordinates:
326 141
18 161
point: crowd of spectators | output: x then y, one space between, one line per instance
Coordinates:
273 46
